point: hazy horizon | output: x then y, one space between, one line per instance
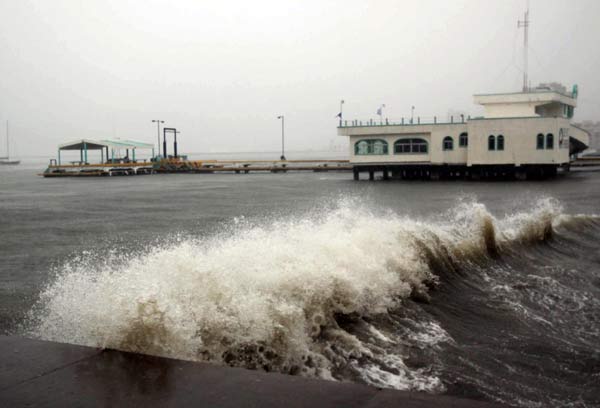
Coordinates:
222 72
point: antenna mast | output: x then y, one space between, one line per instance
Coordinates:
525 25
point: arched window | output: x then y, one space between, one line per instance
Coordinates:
361 147
370 146
405 146
448 143
540 141
549 141
491 142
380 147
463 140
500 142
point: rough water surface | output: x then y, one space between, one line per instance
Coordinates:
465 291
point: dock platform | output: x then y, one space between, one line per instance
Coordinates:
194 166
47 374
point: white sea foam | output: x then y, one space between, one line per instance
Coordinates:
379 335
267 295
398 376
430 334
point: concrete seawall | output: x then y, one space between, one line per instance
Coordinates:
39 373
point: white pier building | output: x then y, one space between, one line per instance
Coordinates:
524 135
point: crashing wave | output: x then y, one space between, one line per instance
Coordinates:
274 295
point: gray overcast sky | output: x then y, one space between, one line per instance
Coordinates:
221 71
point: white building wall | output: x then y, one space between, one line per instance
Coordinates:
434 134
521 104
390 157
520 141
510 110
458 155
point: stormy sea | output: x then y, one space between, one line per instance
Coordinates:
488 290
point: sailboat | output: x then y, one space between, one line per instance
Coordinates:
7 160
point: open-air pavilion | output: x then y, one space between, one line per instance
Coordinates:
107 149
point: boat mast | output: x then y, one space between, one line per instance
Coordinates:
525 25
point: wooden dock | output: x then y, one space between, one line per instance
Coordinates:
195 166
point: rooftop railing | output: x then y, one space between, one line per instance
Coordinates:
418 120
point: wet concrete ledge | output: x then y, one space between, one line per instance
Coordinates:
40 373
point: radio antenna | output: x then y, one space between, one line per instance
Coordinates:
525 25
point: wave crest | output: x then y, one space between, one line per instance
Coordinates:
274 295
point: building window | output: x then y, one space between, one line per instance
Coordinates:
448 143
567 111
500 142
540 141
371 146
405 146
463 140
491 142
549 141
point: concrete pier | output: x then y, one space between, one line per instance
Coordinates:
39 373
177 165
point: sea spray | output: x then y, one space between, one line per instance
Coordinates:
273 295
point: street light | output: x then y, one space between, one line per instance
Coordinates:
158 122
282 137
175 143
412 114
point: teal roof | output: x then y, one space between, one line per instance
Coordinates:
127 144
90 144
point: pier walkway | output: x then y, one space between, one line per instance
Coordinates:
193 166
46 374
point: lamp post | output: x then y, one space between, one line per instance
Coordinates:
282 137
341 110
158 122
412 114
175 143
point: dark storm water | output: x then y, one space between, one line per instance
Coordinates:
498 296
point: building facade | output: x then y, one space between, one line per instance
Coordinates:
525 134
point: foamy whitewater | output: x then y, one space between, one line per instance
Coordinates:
330 295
